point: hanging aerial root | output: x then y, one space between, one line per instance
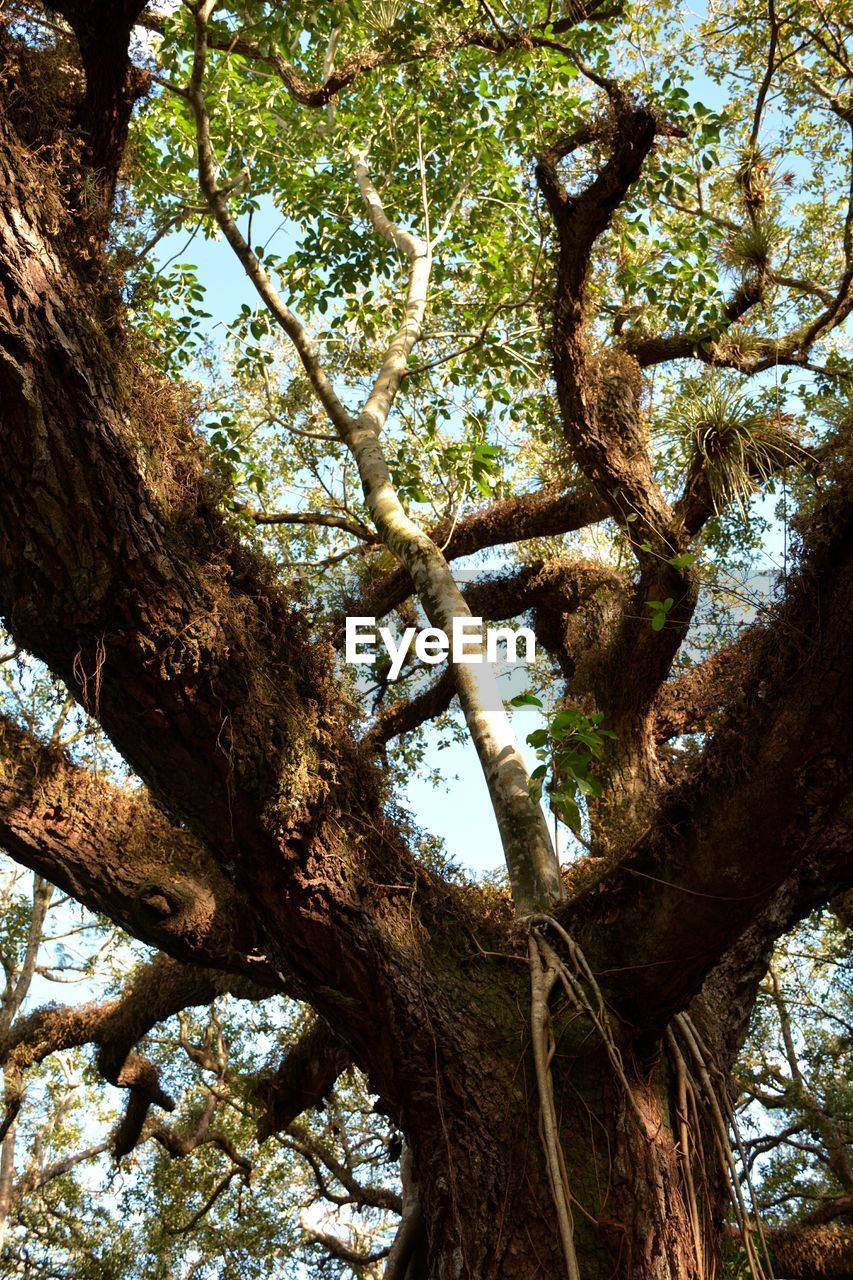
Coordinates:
575 976
543 976
575 981
695 1087
720 1114
685 1152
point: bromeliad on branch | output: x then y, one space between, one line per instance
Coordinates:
552 311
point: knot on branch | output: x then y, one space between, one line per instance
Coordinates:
181 906
305 1077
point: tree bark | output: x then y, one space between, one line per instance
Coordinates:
117 570
485 1196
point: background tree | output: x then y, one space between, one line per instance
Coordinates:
543 274
794 1077
215 1203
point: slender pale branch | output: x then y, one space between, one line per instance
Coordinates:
532 863
321 518
529 854
215 196
418 254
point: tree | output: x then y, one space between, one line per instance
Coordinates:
606 291
196 1191
795 1068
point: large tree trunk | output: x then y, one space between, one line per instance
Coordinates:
481 1171
118 572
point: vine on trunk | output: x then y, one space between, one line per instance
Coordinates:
708 1102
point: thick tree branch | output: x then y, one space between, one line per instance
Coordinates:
832 1209
543 514
529 854
753 353
729 837
599 406
343 1252
409 1237
692 702
698 345
725 1004
555 588
561 585
112 850
155 992
118 572
175 637
305 1077
812 1253
102 29
599 399
403 717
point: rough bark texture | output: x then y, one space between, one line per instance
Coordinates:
207 680
270 854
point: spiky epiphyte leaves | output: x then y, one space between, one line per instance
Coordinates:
739 445
754 177
378 15
753 247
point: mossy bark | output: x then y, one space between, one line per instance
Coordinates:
127 582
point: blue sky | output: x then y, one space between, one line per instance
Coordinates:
459 811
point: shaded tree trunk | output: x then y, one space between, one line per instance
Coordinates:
483 1185
118 572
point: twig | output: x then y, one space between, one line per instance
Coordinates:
218 1190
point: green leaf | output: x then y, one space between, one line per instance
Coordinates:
525 700
589 787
